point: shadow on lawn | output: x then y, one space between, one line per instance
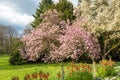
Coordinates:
7 66
4 64
117 63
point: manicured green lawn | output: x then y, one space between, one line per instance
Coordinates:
7 71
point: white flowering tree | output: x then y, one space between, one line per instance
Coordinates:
103 21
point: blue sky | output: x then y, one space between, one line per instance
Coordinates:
18 13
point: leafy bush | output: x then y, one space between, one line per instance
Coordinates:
80 76
106 68
15 59
105 62
101 72
79 72
110 71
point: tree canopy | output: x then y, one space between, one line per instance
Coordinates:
104 18
56 40
66 9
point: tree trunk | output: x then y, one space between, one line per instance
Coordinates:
62 74
94 68
107 52
103 57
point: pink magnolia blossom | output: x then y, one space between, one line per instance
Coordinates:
75 42
41 38
56 40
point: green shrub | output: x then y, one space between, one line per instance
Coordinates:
110 71
15 59
104 71
101 71
80 76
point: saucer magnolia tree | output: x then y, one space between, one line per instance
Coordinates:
55 40
75 42
42 39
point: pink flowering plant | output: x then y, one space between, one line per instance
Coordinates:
76 41
43 39
55 40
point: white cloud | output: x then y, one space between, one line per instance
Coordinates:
18 13
10 14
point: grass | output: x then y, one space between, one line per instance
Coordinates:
7 71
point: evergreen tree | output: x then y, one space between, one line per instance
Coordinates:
66 9
63 6
43 6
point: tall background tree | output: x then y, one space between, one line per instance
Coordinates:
42 7
63 6
8 36
27 29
